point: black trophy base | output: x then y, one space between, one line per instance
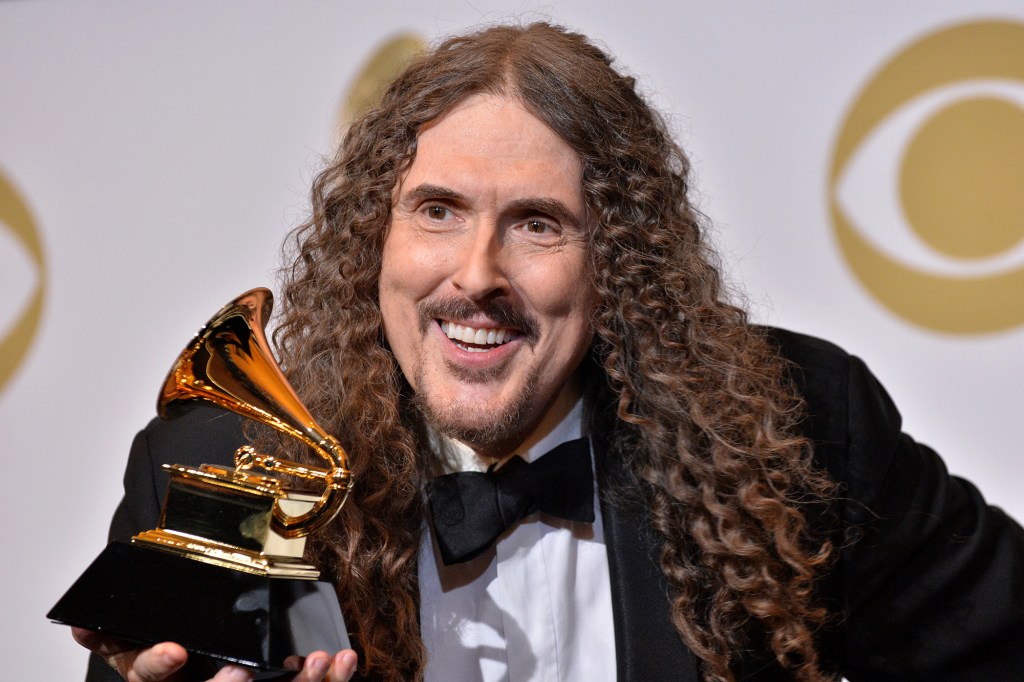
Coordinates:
149 596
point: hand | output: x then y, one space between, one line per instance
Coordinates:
164 662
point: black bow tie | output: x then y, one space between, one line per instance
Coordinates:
471 509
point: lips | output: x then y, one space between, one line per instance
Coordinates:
477 339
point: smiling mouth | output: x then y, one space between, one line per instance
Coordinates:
477 339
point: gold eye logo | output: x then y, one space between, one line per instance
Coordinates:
941 242
18 231
379 70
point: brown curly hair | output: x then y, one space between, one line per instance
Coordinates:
707 419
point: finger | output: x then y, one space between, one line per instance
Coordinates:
343 666
293 663
135 664
314 668
155 664
101 644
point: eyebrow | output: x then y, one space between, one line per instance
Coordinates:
552 207
519 207
423 192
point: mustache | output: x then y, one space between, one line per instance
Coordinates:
500 311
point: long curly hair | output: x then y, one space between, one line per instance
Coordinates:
707 419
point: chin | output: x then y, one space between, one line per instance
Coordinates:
482 427
481 431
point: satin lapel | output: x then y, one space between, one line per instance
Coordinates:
647 646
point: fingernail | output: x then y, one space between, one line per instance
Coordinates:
169 656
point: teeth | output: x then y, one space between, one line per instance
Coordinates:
476 336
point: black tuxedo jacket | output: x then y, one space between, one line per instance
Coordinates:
929 584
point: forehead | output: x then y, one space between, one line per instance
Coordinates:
492 144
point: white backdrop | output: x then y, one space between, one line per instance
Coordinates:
164 149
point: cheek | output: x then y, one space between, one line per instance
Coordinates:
561 289
564 300
410 271
399 274
399 320
413 265
394 295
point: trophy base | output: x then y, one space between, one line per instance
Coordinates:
226 556
149 596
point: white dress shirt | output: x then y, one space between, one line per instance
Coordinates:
535 607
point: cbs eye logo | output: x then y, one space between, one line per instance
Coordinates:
926 184
22 276
386 62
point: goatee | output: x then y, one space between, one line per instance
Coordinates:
481 430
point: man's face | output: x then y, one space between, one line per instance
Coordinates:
483 288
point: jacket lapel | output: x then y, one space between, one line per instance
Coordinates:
647 646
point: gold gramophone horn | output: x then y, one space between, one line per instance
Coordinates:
229 363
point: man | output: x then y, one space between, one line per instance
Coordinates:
503 258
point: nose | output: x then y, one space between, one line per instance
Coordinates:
480 274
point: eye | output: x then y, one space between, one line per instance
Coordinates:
884 219
924 181
437 212
538 227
